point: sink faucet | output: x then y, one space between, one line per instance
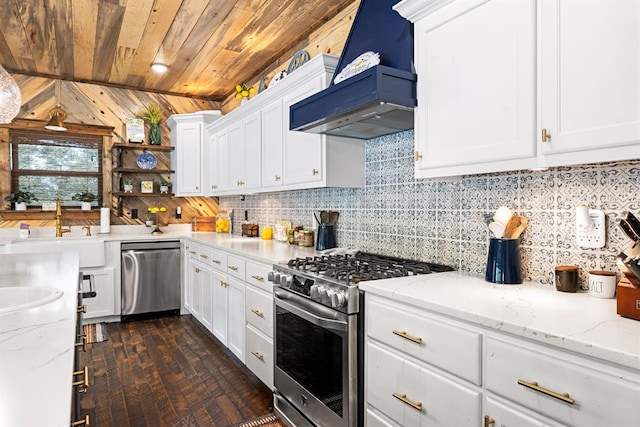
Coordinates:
88 228
60 230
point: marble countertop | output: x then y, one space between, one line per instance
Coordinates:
571 321
37 344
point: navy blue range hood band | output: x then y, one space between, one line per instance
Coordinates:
378 101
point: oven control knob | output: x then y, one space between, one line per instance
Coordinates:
323 293
314 292
337 299
273 277
285 280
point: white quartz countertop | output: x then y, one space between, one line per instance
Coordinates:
571 321
37 344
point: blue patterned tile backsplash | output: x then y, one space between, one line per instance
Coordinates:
441 220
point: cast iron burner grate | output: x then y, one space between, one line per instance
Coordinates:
361 267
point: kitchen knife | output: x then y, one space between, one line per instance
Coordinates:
634 223
630 263
625 226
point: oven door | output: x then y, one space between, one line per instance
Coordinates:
316 359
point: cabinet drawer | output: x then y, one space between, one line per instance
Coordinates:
602 394
415 332
373 419
218 260
256 275
428 399
506 415
259 310
235 266
260 355
193 250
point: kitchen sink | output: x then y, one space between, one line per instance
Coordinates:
17 298
90 249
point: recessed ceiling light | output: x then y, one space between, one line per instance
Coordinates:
159 68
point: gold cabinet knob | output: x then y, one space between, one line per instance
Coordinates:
277 177
315 172
546 135
418 156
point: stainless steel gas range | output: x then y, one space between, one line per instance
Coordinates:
319 336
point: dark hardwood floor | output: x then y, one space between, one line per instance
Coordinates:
169 372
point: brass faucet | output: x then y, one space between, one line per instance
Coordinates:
88 228
60 230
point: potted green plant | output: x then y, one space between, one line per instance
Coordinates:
152 114
86 198
127 185
19 199
165 186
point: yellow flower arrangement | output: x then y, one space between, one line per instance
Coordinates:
156 209
243 91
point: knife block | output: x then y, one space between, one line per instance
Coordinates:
628 299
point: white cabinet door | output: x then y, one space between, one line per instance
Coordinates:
104 303
589 84
272 129
260 355
236 155
209 168
219 307
222 161
252 145
187 295
302 151
195 290
414 396
476 87
206 285
188 167
235 317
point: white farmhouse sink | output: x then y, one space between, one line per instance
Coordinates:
90 250
17 298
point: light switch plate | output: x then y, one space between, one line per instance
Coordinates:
596 235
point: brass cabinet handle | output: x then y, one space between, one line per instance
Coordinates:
315 171
213 186
233 268
204 256
534 386
488 421
418 156
546 135
216 261
257 355
192 252
403 398
404 335
258 278
257 312
83 384
224 284
82 308
83 344
84 421
197 270
277 177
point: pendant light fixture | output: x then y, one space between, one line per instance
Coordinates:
57 114
10 98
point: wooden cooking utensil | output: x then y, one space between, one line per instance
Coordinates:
515 227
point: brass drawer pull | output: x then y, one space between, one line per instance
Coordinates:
83 344
82 308
216 261
192 252
258 278
534 386
546 135
257 312
257 355
224 284
204 256
488 421
418 156
83 384
231 267
408 337
197 270
84 421
403 398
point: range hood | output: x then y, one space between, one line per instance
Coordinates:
378 101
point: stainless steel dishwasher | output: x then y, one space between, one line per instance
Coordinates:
150 279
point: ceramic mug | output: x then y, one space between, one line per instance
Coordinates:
602 284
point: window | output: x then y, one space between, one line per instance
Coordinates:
54 164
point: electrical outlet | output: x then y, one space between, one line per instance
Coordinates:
595 235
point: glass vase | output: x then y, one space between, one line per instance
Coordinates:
154 134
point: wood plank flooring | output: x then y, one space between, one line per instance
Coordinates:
169 372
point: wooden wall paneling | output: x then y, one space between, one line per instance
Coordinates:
14 35
59 19
84 14
108 27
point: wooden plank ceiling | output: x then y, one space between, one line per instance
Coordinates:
208 45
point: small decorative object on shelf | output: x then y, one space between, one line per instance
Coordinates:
165 185
243 92
134 130
298 61
277 78
19 199
153 115
127 185
146 186
156 210
86 198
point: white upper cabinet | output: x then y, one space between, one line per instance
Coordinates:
188 136
496 77
589 80
264 155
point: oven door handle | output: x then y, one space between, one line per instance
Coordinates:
310 311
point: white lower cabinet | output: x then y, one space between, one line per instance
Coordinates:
260 355
104 303
235 314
